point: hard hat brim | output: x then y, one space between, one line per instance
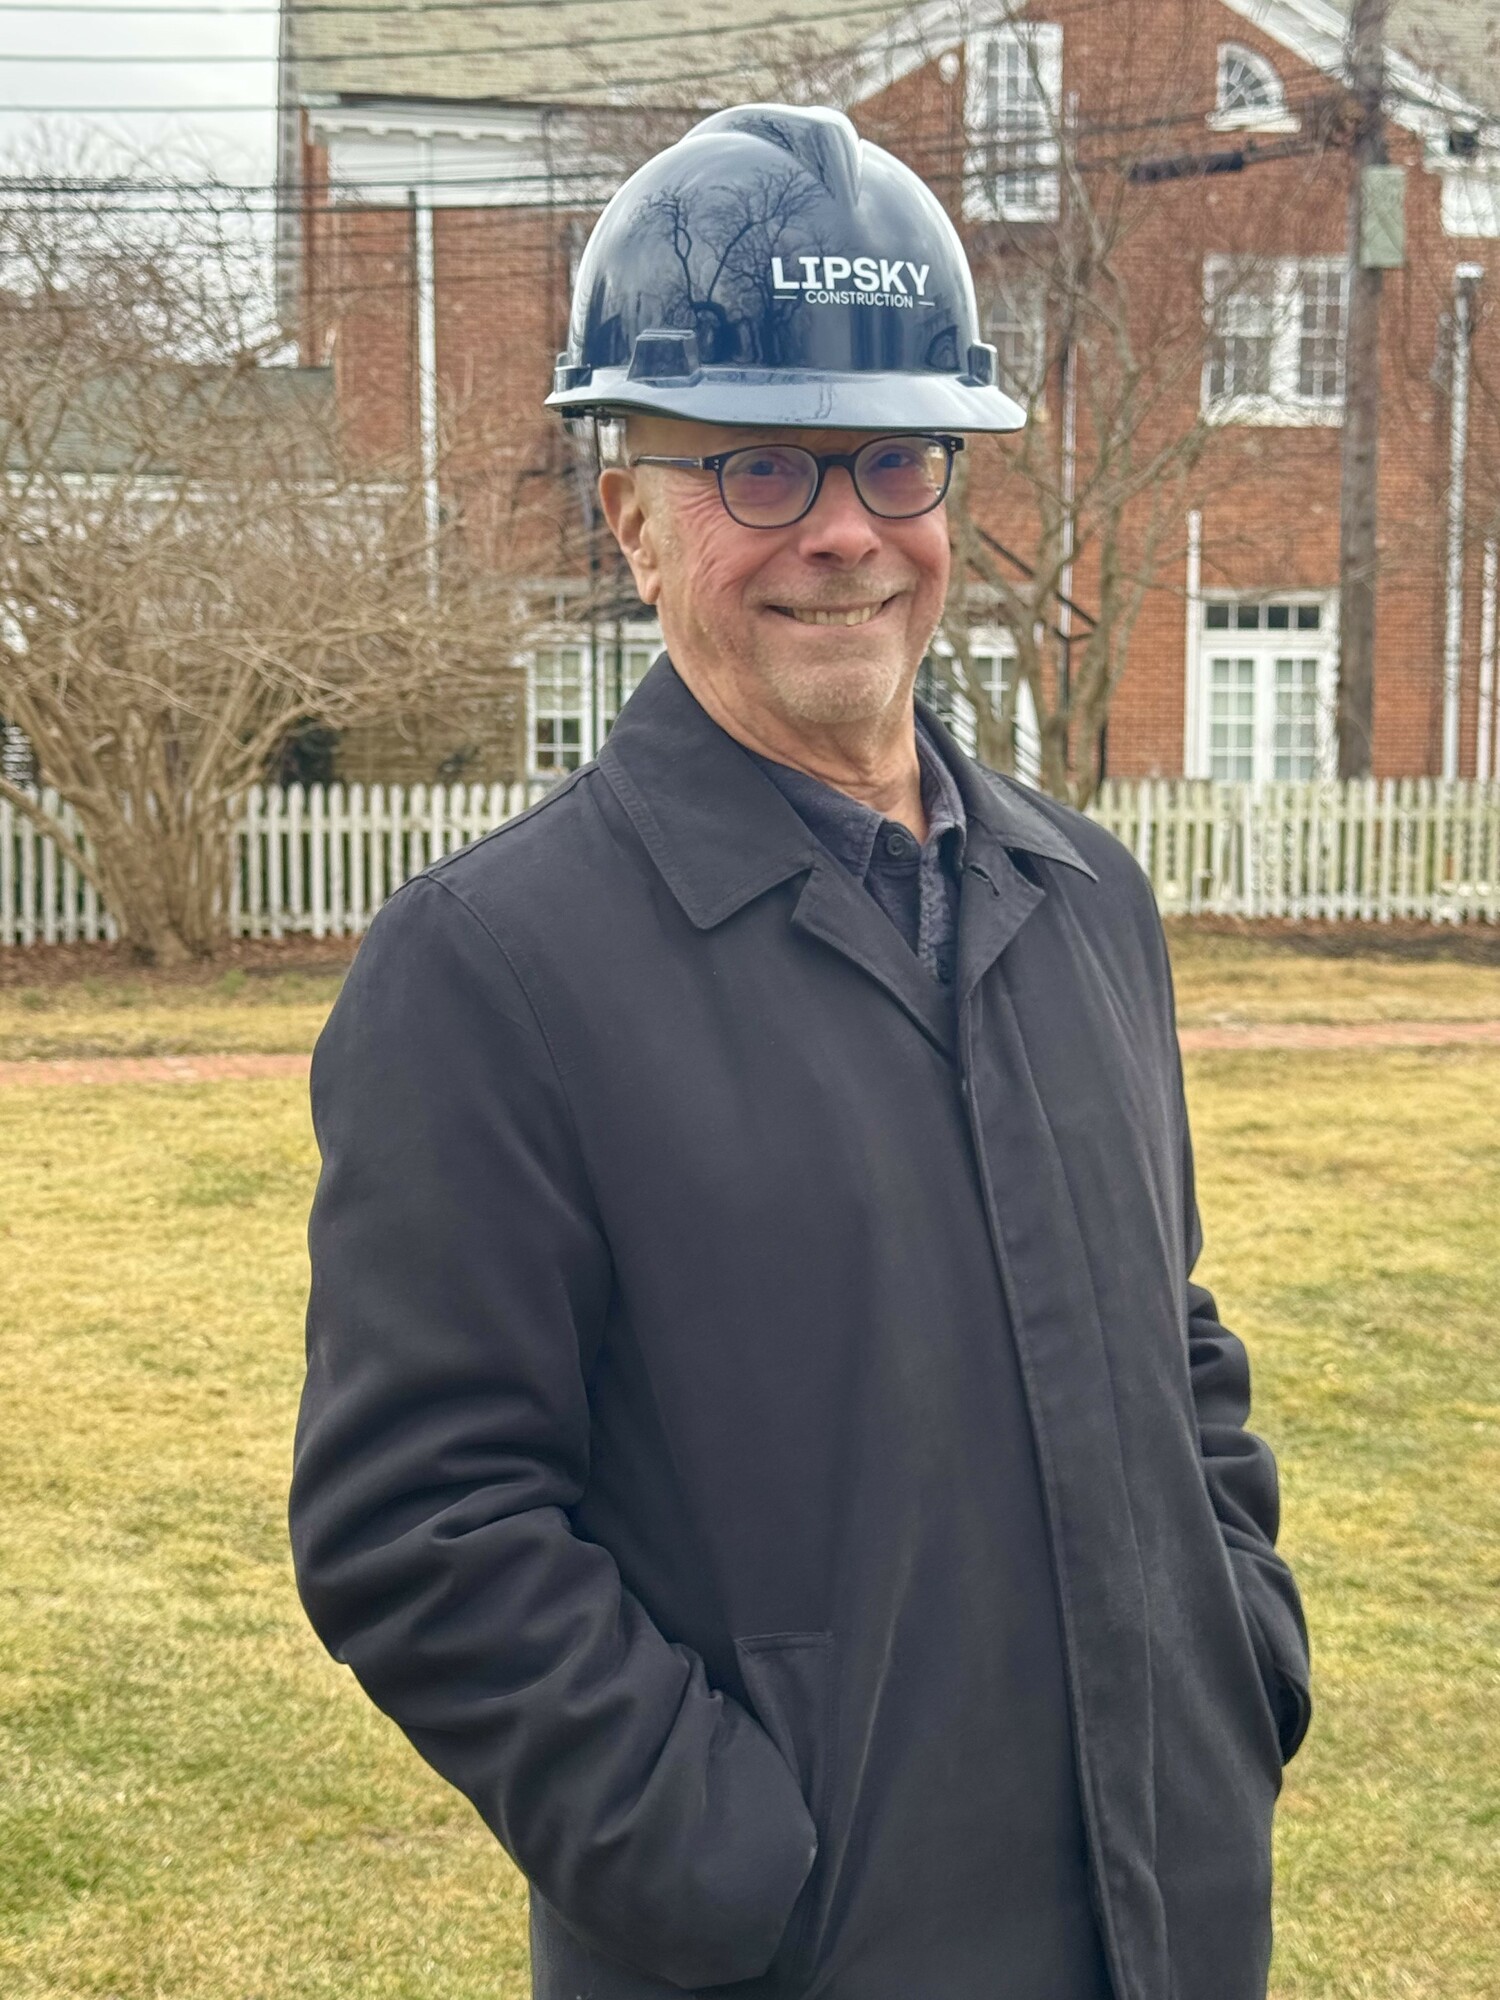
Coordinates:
767 399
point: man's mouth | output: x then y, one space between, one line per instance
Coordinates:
851 614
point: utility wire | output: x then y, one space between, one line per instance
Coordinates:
344 193
718 31
297 11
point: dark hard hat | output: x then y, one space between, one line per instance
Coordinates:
773 268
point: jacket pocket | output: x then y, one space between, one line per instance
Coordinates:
789 1679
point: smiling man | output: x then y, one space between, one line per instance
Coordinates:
761 1440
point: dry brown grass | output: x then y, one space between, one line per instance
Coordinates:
86 1001
196 1804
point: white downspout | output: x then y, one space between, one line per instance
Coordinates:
1465 278
1484 748
427 387
1193 764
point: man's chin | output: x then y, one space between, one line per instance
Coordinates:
838 690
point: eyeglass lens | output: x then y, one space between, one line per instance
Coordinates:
770 486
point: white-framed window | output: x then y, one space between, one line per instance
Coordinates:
1276 339
623 667
16 761
560 706
1250 94
1269 670
1015 324
577 687
1013 110
993 653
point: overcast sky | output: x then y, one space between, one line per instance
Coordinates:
239 145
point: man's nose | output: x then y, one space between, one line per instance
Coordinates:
839 527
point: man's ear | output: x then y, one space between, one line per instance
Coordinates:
630 524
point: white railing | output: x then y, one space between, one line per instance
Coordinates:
1371 849
320 860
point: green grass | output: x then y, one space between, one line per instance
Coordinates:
1221 979
144 1014
1239 980
196 1804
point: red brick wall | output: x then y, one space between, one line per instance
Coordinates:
1143 76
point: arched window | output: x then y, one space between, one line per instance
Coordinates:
1250 92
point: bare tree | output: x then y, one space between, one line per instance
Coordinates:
189 565
1095 295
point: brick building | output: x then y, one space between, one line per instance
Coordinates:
1154 194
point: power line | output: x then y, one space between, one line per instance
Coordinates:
320 7
578 96
719 31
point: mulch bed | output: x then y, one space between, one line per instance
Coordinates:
1471 944
1266 1036
65 964
263 958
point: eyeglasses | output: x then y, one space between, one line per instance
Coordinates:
773 485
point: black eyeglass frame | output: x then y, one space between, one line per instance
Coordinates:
824 461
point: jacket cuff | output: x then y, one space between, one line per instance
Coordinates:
1279 1639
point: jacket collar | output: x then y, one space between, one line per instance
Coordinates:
719 831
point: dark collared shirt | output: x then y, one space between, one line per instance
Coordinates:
916 884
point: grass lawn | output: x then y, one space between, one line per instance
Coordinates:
149 1014
278 1000
196 1804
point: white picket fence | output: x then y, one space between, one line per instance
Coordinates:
320 860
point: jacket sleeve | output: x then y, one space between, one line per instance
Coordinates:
1240 1472
460 1282
1242 1484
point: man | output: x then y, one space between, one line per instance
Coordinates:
760 1441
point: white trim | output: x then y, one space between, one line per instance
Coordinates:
1194 733
1484 747
1251 120
465 156
1465 277
420 196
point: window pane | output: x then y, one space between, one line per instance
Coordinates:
1308 617
1278 617
1231 718
1017 329
1014 154
1247 82
557 684
1246 617
1294 719
1216 617
1321 334
1242 312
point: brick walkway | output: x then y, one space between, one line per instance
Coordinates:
151 1069
1289 1035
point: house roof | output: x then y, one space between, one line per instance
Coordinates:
688 52
1457 42
566 51
1441 52
123 422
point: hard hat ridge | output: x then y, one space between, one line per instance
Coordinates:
822 140
774 269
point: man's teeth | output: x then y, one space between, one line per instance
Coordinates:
862 616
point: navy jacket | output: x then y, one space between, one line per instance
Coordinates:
760 1440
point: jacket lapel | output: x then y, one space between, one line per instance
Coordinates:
842 913
721 834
